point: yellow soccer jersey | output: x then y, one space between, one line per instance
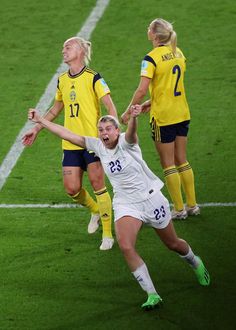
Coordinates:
168 100
81 94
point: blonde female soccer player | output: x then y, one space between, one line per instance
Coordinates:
137 196
79 91
162 72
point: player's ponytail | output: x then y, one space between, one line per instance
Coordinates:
173 42
165 34
87 46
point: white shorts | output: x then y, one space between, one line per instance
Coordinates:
154 212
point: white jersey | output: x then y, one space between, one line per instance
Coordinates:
130 177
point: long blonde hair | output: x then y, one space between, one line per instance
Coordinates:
85 45
165 33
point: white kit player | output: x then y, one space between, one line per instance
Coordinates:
137 197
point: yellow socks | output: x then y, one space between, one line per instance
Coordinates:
173 184
187 181
104 204
84 198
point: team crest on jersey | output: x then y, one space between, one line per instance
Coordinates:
72 96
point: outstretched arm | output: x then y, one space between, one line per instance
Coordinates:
137 98
131 132
109 105
30 136
56 129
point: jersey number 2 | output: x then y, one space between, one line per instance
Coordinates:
176 69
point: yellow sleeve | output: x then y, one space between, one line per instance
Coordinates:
58 96
148 67
100 86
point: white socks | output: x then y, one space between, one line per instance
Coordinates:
191 258
142 276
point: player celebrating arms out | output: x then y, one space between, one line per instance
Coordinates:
137 196
78 92
162 72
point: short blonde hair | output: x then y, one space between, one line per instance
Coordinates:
109 118
165 33
85 45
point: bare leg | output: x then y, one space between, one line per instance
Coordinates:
96 175
171 240
127 229
174 243
180 150
72 179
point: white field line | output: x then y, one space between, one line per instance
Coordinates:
72 206
40 206
17 148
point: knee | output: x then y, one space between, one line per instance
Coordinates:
180 160
172 245
97 183
72 190
125 247
96 178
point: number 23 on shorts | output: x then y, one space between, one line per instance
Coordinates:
160 213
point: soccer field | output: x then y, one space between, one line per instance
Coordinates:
53 275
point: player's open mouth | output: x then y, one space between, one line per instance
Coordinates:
105 139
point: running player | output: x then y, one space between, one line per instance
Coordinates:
137 196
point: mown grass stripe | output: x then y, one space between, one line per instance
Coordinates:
17 148
70 206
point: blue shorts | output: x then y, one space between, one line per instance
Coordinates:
78 158
167 134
